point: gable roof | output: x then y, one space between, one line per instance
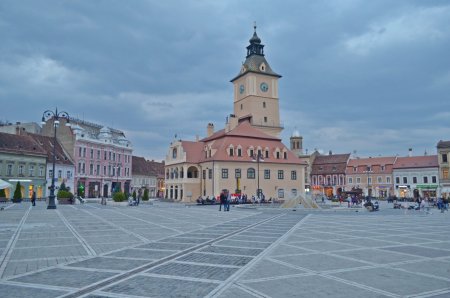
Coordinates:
141 166
243 135
408 162
371 161
330 164
20 144
47 144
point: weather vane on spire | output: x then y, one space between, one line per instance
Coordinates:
254 25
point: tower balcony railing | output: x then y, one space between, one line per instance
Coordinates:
267 124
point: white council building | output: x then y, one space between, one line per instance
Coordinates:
247 154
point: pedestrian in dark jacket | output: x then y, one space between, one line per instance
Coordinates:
33 199
223 201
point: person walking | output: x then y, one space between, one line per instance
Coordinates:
222 199
228 201
33 199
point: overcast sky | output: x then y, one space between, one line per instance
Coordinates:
365 76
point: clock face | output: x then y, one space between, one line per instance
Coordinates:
264 87
241 89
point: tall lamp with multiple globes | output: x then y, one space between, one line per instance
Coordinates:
368 171
258 158
56 116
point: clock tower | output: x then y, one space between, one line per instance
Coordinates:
256 90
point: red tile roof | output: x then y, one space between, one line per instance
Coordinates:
330 164
47 144
243 135
428 161
141 166
23 144
371 161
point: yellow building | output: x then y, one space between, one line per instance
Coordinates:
247 155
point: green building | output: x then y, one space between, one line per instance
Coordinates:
23 159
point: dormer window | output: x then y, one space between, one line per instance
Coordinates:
262 67
239 152
231 151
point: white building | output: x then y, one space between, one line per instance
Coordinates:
416 176
64 167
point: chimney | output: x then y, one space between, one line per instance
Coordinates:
330 152
209 130
410 152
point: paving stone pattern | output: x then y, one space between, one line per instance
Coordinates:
169 250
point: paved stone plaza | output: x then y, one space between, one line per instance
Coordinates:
169 250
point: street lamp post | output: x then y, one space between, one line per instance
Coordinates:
116 167
204 172
368 172
258 158
56 116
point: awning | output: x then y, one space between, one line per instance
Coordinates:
4 184
427 186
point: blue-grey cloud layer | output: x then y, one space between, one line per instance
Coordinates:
370 76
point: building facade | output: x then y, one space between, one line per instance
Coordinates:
416 176
229 160
64 167
23 160
373 176
102 156
328 174
247 156
443 153
146 174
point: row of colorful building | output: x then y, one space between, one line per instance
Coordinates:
402 176
90 159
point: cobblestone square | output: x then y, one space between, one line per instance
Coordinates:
167 250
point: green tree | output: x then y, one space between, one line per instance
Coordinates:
145 198
18 191
119 196
134 194
63 187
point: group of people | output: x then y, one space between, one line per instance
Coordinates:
351 201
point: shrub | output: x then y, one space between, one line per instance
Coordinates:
119 197
18 192
64 194
145 197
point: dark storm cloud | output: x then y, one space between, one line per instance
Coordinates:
371 76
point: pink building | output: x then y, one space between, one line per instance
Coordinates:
102 156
